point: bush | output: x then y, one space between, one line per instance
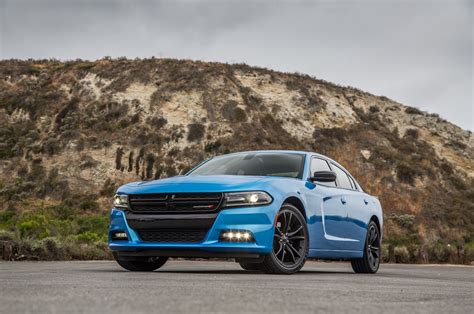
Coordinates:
401 254
35 226
440 252
88 204
412 133
413 110
195 132
150 160
157 122
55 232
405 220
407 173
212 146
374 109
6 235
6 218
231 112
49 248
88 237
51 146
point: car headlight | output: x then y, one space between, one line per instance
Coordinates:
257 198
121 201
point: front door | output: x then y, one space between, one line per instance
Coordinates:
331 201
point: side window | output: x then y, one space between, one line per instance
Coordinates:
354 185
318 164
342 178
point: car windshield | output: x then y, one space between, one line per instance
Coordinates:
254 164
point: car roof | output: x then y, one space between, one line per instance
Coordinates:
269 151
279 151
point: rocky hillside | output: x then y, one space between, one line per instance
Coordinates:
71 132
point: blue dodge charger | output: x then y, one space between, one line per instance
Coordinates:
269 210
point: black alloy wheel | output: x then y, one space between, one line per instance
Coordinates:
370 262
290 242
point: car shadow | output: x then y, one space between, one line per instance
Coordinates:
214 271
246 272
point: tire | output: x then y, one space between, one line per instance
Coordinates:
250 266
146 264
290 243
370 262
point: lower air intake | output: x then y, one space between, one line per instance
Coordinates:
169 236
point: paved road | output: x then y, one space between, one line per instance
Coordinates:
189 286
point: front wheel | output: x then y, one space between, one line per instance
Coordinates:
145 264
370 262
290 243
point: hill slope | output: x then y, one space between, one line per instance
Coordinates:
72 132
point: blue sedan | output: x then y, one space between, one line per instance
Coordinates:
269 210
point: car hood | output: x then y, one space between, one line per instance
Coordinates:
218 183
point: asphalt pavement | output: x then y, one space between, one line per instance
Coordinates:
210 286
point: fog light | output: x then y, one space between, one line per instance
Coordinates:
237 236
119 235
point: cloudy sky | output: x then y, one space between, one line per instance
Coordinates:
419 53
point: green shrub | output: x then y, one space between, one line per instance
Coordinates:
401 254
405 220
6 218
6 235
49 248
88 237
53 233
440 252
96 223
35 226
384 253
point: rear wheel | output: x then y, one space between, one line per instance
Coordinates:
145 264
370 262
290 243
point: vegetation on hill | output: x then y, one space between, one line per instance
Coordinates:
72 132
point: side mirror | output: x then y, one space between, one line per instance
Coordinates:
323 176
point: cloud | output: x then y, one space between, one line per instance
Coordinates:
418 53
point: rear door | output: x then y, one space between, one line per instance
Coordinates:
346 200
355 210
358 216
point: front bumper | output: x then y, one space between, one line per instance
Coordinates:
258 220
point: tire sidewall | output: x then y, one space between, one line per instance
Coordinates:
274 259
366 257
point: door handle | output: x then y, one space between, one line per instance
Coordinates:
366 201
343 200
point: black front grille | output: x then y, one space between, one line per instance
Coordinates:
175 202
172 235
